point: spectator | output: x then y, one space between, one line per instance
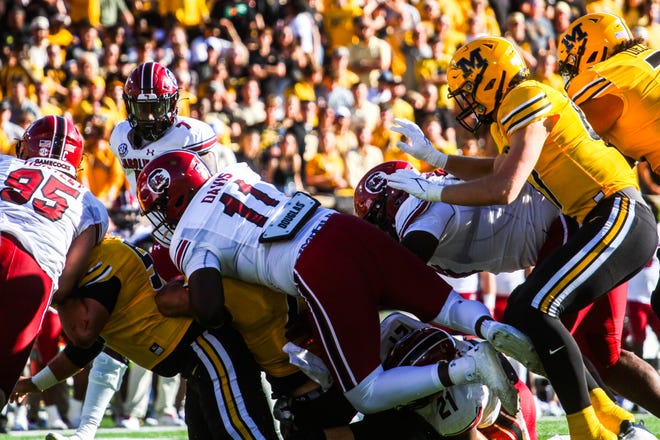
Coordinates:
37 55
345 136
516 32
432 129
15 33
338 22
249 148
370 55
300 17
446 30
46 106
265 65
12 132
430 107
251 108
419 50
101 170
60 32
19 100
339 63
326 171
546 71
282 165
89 41
332 92
271 128
55 74
115 12
562 18
538 25
364 111
363 157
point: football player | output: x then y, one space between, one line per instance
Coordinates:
234 224
153 126
117 300
615 79
543 138
459 240
48 225
151 96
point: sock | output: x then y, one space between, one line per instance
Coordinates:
75 407
584 425
104 379
53 414
609 413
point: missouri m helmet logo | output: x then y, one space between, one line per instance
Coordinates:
475 61
576 34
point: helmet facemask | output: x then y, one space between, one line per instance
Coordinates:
151 115
472 115
570 68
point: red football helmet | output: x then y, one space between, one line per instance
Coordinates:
167 184
54 141
151 95
376 202
423 346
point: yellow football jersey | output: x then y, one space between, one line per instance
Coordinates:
576 169
633 76
140 332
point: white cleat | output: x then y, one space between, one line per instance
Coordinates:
635 431
489 371
512 342
57 436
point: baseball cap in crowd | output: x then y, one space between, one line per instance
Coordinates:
340 52
342 112
39 22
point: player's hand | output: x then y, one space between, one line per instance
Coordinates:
419 146
411 182
21 390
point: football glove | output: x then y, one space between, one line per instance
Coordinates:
419 146
411 182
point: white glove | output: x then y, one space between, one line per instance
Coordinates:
419 147
411 182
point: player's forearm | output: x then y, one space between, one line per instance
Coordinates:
469 168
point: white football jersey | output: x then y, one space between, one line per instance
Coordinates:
227 217
186 133
45 210
500 238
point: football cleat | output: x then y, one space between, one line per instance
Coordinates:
489 371
635 431
512 342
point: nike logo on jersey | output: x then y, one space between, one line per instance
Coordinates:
553 351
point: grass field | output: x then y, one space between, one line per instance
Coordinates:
547 427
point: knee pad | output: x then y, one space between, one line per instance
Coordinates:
107 371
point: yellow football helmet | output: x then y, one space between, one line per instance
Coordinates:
590 39
479 75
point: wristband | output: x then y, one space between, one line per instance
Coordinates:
434 193
440 160
44 379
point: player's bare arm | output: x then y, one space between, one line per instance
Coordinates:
207 298
60 366
82 320
76 262
173 300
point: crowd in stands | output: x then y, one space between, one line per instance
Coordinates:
317 81
304 91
